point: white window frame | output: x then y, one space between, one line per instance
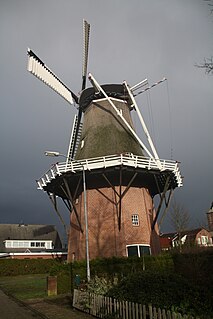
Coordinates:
138 248
13 243
135 220
121 111
204 240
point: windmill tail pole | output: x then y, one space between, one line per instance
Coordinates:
143 125
98 88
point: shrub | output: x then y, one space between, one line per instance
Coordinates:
63 273
170 291
196 267
14 267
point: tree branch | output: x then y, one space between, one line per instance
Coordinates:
207 65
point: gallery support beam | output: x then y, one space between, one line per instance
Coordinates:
162 199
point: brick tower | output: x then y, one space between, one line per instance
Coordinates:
119 201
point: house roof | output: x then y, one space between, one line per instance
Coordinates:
168 235
192 232
28 232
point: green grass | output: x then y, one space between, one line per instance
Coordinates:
25 287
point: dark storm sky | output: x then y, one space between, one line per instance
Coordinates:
130 40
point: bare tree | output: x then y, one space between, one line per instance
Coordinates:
179 218
210 3
207 65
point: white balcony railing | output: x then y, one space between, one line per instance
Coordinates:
110 161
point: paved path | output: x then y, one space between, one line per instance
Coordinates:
9 309
57 311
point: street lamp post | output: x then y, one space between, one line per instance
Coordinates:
51 153
86 225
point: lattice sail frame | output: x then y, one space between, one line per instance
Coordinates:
43 73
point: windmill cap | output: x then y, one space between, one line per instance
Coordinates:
112 90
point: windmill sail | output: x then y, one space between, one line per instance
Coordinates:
43 73
75 135
86 31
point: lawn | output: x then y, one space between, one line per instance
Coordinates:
25 287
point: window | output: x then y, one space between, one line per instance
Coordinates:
144 250
132 251
47 244
8 244
41 244
204 240
135 220
138 250
120 111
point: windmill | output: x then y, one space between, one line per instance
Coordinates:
121 173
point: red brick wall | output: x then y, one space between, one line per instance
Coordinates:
105 238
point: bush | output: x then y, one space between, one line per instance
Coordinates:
183 282
196 267
14 267
63 273
170 291
122 266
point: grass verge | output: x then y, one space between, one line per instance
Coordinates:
25 287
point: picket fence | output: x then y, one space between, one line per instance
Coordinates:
106 307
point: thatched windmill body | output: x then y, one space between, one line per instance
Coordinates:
122 175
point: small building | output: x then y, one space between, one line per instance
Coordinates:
166 241
30 241
200 237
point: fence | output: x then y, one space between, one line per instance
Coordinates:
106 307
130 160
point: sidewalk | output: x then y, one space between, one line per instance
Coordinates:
11 309
56 308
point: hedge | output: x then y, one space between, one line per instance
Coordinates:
168 291
14 267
